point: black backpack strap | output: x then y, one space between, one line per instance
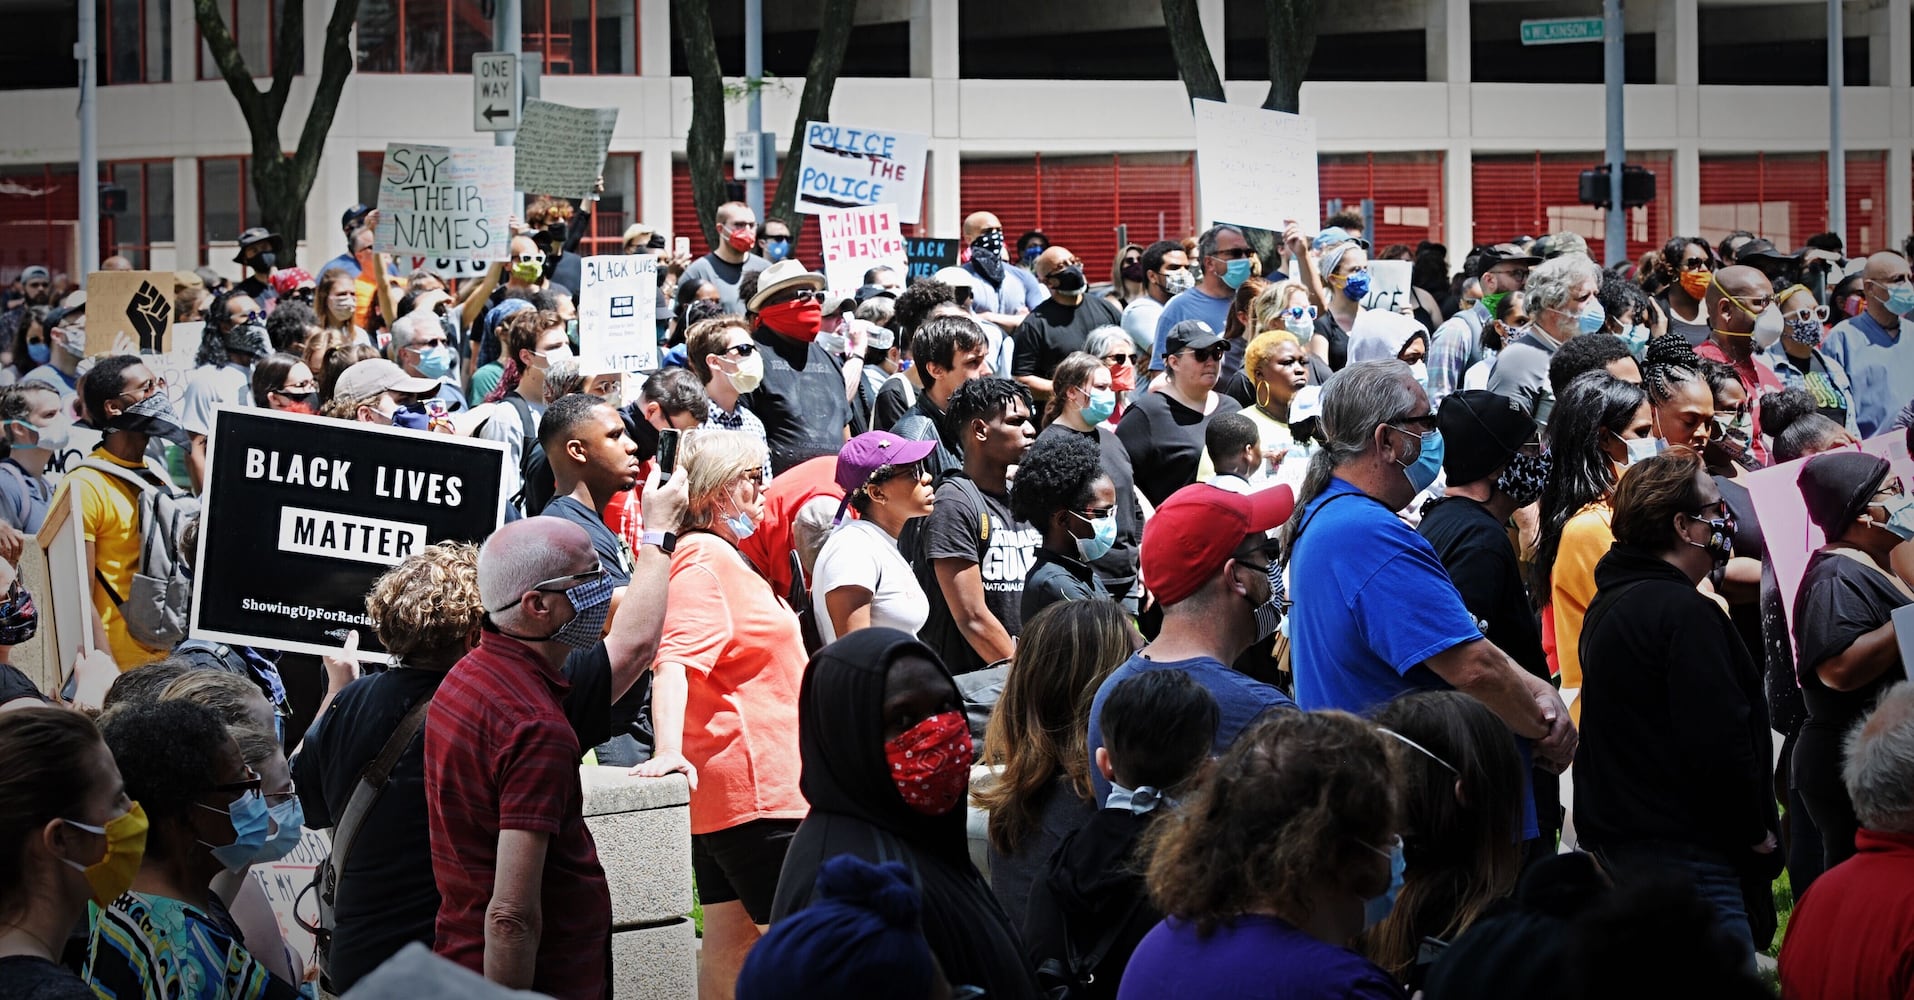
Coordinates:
1079 969
112 595
518 402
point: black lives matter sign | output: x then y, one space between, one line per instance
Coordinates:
303 513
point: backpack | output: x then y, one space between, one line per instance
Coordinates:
157 606
535 482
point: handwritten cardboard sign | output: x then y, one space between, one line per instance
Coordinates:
1389 285
1256 166
441 201
617 313
858 239
845 166
560 150
136 304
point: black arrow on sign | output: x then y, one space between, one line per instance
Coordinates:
491 113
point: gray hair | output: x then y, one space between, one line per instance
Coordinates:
1879 766
1355 401
1206 243
406 327
1101 339
1551 281
563 378
523 554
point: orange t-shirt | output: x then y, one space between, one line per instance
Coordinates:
744 657
1586 538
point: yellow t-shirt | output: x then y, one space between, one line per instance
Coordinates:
110 519
1586 538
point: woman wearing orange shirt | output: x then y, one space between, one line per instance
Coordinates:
724 701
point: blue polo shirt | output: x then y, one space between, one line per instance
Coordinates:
1240 700
1880 365
1372 602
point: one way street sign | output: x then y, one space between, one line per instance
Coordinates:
495 92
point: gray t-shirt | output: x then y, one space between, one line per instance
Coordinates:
1521 370
726 275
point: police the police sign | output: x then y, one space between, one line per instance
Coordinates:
303 513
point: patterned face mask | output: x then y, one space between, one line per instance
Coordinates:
19 619
1524 478
930 763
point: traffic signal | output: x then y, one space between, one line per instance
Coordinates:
1638 186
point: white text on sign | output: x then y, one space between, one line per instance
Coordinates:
348 536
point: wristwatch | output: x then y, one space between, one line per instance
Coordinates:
665 540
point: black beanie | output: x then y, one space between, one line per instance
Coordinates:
1481 431
1836 486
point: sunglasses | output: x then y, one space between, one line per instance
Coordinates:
1237 254
1818 313
743 350
1213 352
1301 313
1115 360
802 295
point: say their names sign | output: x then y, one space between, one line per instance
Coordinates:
303 513
560 150
136 304
858 239
617 319
1256 166
441 201
846 167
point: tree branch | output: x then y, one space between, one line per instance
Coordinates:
286 55
1290 30
827 61
704 143
1192 51
231 65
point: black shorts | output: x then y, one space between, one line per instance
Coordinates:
742 863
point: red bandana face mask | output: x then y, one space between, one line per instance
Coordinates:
799 319
1123 378
930 762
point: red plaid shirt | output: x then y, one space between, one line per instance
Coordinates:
500 755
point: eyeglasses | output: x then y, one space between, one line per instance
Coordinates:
1094 513
739 226
147 388
1818 313
562 583
743 350
1426 420
1698 264
1237 254
529 258
250 783
755 477
780 238
1520 274
298 388
801 295
886 473
1300 313
1214 352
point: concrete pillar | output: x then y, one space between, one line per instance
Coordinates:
186 212
1212 13
1687 210
942 212
1457 39
654 38
1678 38
1900 152
643 830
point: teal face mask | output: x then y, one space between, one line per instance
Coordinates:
1237 272
1094 547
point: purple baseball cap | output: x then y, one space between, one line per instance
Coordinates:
864 454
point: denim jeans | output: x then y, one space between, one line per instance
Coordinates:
1714 880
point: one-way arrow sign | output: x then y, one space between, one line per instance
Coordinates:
495 92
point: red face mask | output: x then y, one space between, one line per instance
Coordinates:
800 319
930 762
1123 378
741 240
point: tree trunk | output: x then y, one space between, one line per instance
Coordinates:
704 143
280 182
1290 31
1192 50
827 61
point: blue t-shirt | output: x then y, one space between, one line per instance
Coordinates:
1191 303
1240 700
1372 602
1880 366
1020 292
1253 957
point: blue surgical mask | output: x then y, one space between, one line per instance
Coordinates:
1102 403
436 361
1376 909
289 817
1094 547
1592 317
39 353
1137 801
1356 286
1900 517
1636 337
1643 449
1900 299
740 524
1237 272
1428 465
251 822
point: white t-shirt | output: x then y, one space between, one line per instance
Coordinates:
860 554
1139 321
206 388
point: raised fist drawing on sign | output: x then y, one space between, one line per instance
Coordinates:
150 315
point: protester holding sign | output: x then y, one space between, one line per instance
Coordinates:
234 339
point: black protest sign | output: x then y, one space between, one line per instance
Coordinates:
927 256
303 513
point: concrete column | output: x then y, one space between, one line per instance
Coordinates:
921 43
186 211
654 183
1900 152
1687 209
1678 39
1450 18
943 29
654 38
1212 13
943 213
1458 187
643 830
1447 39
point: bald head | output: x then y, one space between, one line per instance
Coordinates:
523 554
1752 294
1886 266
1741 281
1884 271
977 222
1051 261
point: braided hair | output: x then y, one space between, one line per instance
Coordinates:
1669 361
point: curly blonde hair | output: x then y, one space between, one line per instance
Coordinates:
425 610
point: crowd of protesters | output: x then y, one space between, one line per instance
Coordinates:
1257 625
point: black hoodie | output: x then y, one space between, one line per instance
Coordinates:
855 809
1094 882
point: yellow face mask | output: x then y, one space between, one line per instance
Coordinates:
113 874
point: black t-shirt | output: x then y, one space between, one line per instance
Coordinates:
30 977
1840 600
15 685
1116 569
1057 577
1053 330
894 399
1338 340
387 897
1165 441
613 553
1475 549
1750 543
987 535
801 400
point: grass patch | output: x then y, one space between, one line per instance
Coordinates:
1783 909
697 908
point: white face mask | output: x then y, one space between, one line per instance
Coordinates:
749 376
1641 449
1768 326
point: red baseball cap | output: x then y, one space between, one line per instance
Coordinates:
1196 530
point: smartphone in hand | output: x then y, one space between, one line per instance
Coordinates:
667 452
